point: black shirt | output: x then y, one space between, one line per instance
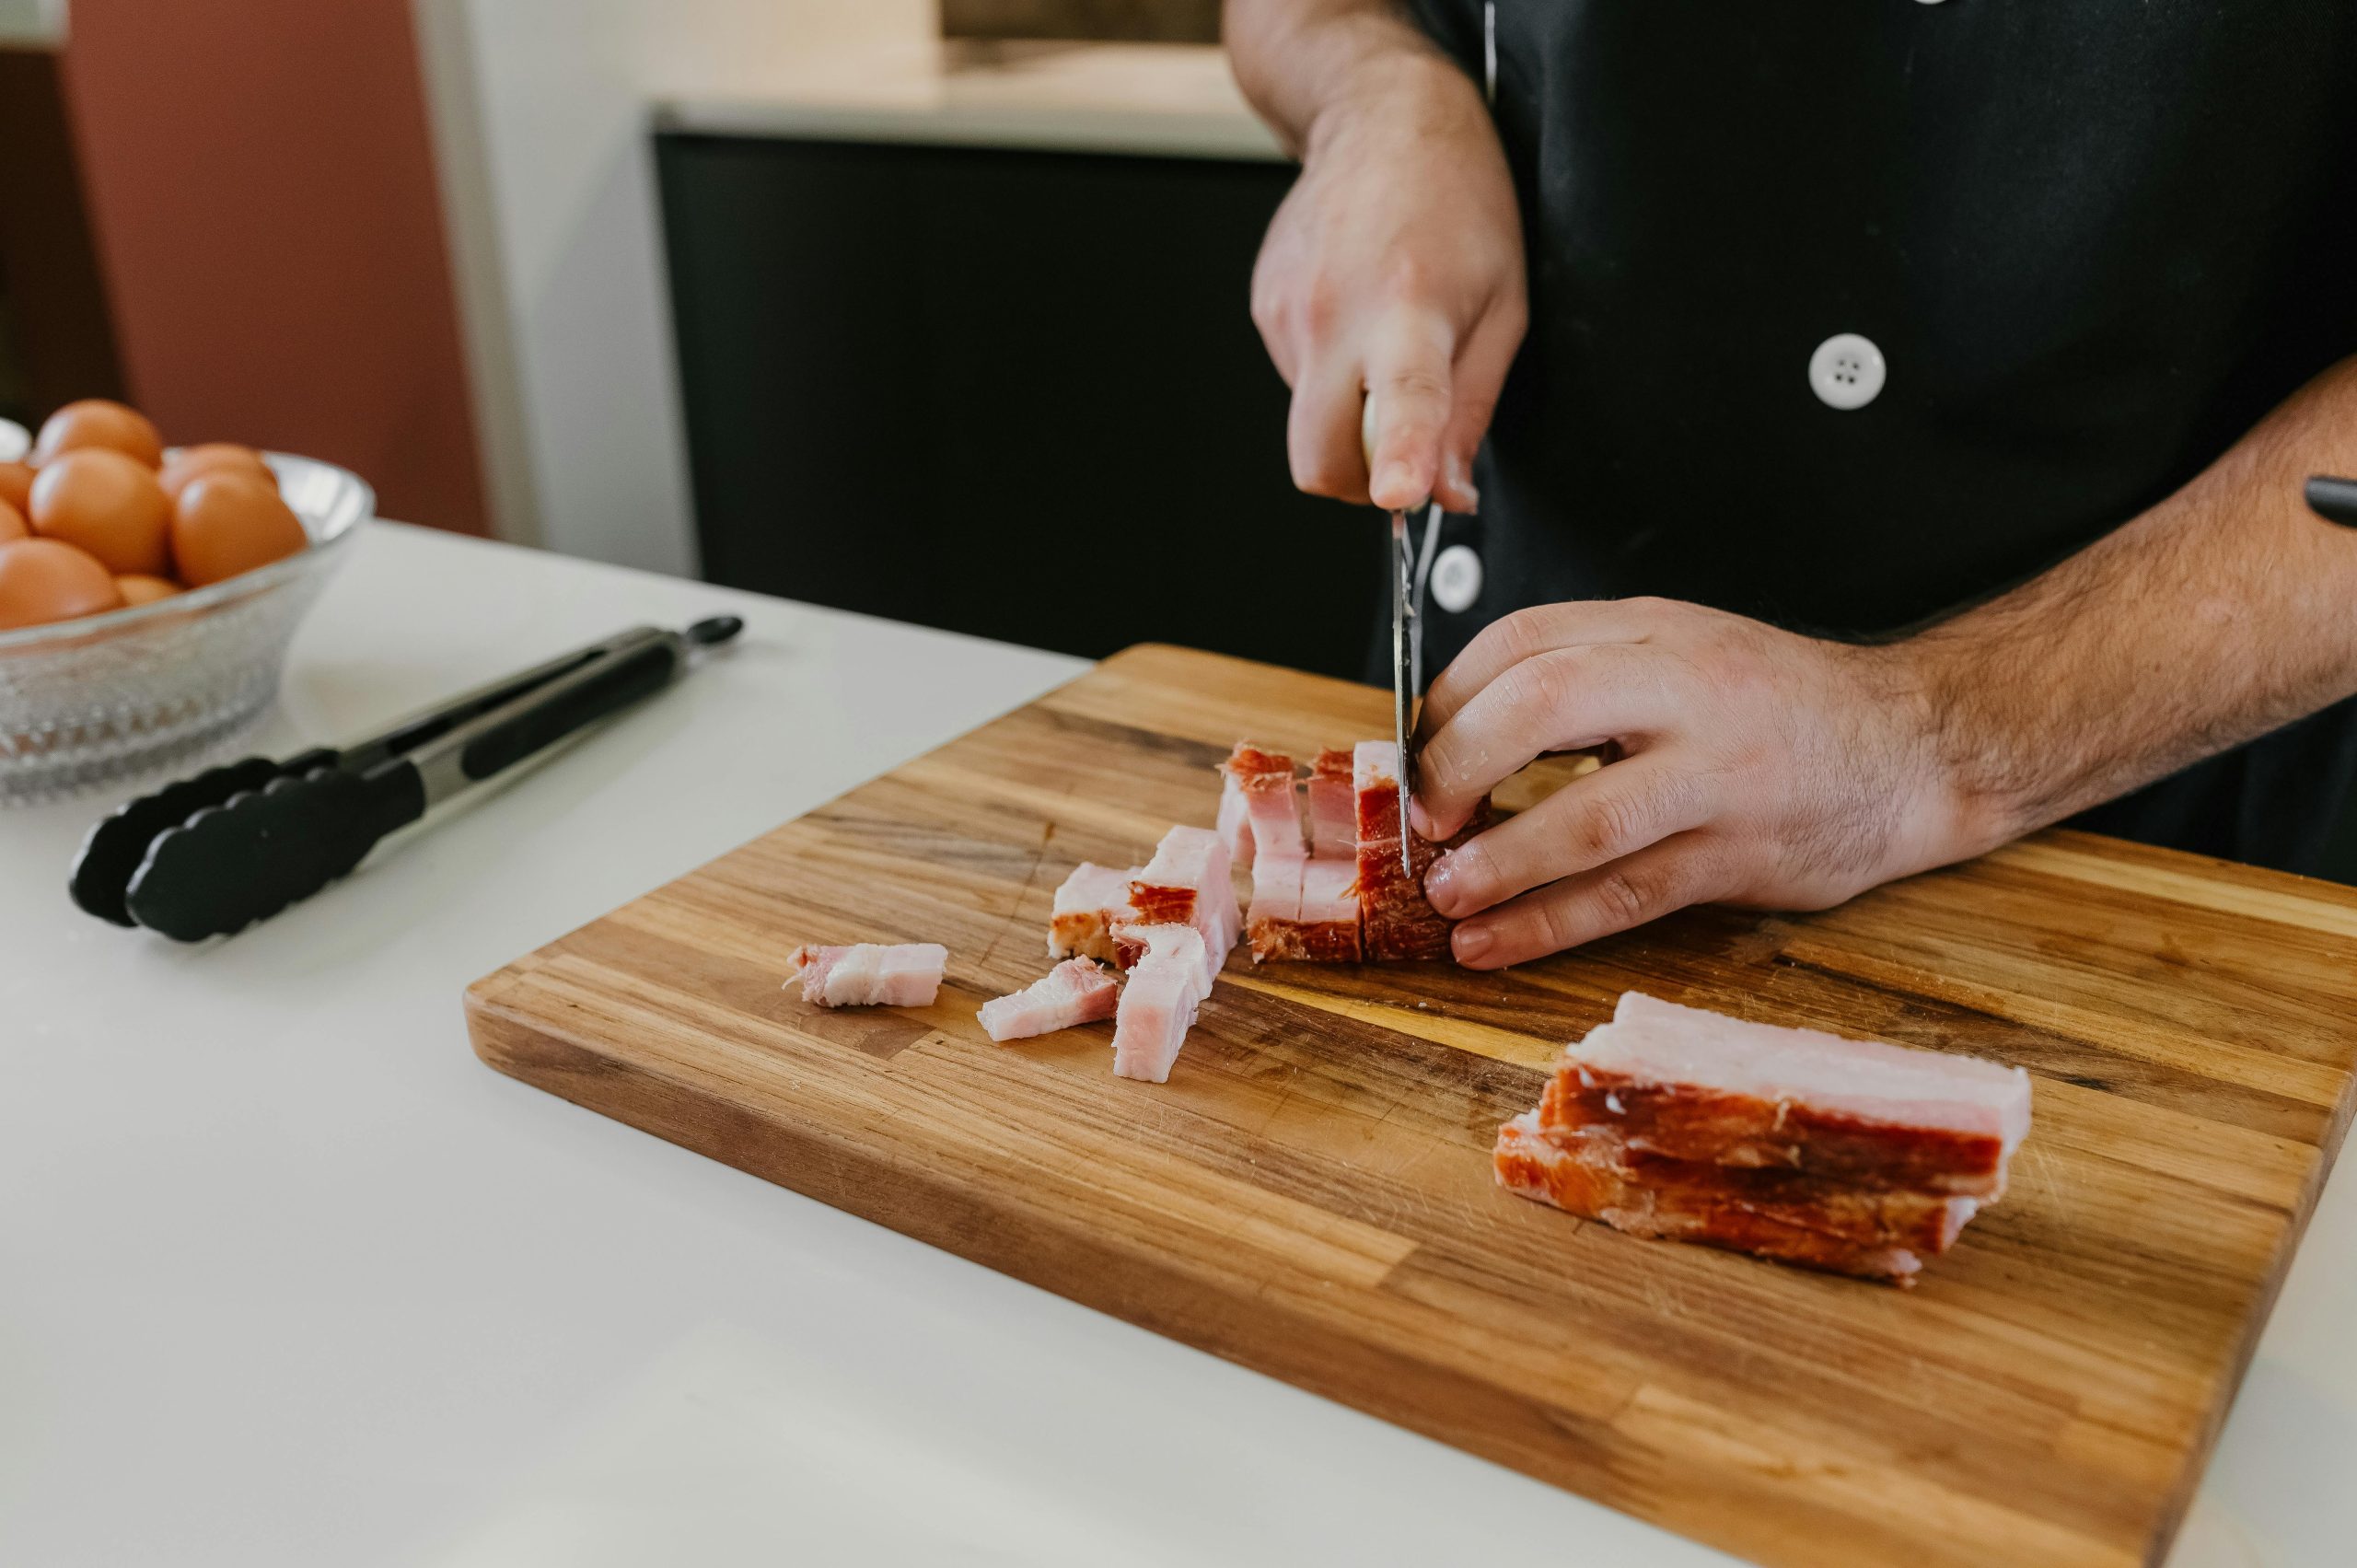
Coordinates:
2095 242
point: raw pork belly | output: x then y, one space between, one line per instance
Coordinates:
869 974
1696 1085
1093 900
1305 910
1187 883
1169 975
1775 1214
1333 805
1265 780
1075 992
1396 921
1234 828
1850 1156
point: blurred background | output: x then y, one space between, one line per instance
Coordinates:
930 308
857 301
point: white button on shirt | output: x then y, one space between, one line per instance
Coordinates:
1846 371
1456 579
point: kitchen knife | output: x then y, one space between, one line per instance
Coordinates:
1409 567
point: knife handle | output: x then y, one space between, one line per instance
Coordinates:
2335 500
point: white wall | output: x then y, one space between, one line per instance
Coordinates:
540 111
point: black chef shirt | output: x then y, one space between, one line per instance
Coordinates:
2095 240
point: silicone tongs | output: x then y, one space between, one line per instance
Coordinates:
209 855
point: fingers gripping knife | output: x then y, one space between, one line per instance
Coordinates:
212 853
1412 564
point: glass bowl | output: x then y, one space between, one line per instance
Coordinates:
98 701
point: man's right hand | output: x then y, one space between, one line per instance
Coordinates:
1393 277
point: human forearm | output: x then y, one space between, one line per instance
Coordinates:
1295 59
2223 612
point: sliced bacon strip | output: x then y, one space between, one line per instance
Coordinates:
1187 883
1075 991
1787 1215
1273 805
869 974
1695 1086
1170 977
1333 805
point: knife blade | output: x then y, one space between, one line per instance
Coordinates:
1403 651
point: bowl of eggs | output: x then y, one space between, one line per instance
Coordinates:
147 594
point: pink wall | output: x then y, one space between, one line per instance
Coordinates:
261 183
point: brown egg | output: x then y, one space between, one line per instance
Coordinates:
95 421
42 580
181 469
16 486
104 503
228 522
12 524
138 588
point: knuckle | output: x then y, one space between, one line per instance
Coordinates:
1624 897
1410 277
1416 387
1554 925
1610 827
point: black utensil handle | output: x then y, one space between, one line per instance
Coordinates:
2335 500
115 845
232 864
571 703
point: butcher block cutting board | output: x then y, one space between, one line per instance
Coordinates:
1310 1194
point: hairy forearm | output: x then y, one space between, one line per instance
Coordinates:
1296 59
2223 612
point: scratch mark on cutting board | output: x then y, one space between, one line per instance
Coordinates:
1047 835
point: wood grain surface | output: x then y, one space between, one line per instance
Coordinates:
1310 1194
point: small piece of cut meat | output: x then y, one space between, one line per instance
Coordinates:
1270 802
1187 883
1396 921
1234 829
1696 1085
1312 917
1075 992
1786 1215
869 974
1091 902
1333 805
1169 979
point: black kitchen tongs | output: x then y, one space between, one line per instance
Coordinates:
212 853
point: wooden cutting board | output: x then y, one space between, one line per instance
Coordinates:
1310 1194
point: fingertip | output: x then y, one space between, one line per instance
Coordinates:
1473 945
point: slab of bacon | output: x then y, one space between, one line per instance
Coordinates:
1853 1155
869 974
1091 902
1075 991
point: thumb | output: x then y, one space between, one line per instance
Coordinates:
1407 397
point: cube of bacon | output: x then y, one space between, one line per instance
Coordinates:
1333 805
869 974
1696 1085
1075 991
1304 912
1785 1215
1272 804
1089 903
1170 977
1187 883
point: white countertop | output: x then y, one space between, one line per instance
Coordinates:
1158 99
291 1280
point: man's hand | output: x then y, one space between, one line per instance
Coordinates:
1762 767
1756 767
1390 286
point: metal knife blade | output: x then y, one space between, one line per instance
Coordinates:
1403 650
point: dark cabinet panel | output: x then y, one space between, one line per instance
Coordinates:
1011 393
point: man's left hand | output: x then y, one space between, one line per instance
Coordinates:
1756 767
